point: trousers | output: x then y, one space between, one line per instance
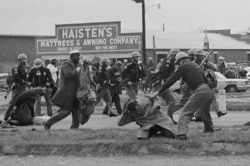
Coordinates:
201 99
61 114
37 106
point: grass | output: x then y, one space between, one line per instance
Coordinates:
228 134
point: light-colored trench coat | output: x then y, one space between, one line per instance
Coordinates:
149 115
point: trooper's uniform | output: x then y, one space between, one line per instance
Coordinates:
20 80
166 70
115 81
102 88
133 73
200 99
41 77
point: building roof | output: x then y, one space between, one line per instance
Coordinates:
188 40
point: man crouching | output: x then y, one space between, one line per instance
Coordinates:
146 112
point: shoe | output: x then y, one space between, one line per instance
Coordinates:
247 124
105 113
112 115
208 131
5 125
181 137
46 127
219 114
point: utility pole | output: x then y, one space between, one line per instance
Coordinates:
144 57
143 33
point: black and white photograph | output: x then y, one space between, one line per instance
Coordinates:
124 82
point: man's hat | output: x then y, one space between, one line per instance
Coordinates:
74 52
135 54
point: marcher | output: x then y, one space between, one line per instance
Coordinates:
114 74
65 97
40 76
102 87
21 110
200 99
147 113
85 94
132 75
19 74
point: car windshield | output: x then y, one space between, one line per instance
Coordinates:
219 75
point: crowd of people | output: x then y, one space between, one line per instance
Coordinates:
78 85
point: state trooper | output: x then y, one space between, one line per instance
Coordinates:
40 76
200 99
167 68
19 74
191 54
102 87
132 75
114 75
200 54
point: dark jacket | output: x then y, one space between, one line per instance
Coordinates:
39 77
133 73
101 76
65 97
19 74
189 72
24 112
114 76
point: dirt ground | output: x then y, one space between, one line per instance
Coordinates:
103 132
169 160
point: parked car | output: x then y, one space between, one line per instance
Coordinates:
231 85
248 72
3 78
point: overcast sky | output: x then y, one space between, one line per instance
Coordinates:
38 17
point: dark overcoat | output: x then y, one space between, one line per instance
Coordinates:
65 97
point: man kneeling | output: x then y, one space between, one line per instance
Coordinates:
21 111
147 113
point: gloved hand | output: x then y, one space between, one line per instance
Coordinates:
78 69
129 83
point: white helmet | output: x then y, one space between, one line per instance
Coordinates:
180 55
22 56
74 52
104 60
38 63
135 54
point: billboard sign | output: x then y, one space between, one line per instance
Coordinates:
89 38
